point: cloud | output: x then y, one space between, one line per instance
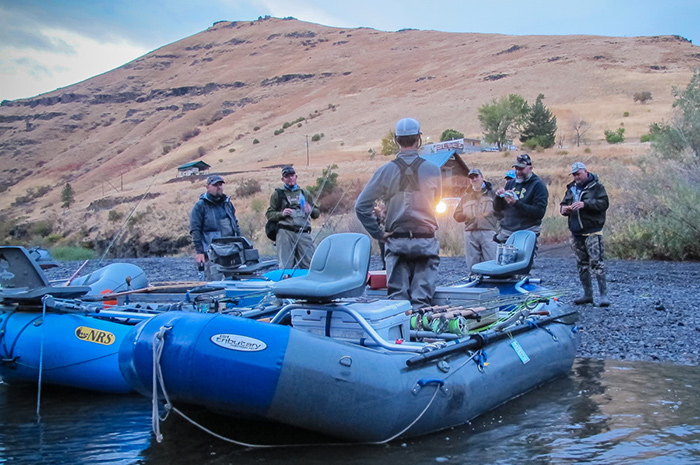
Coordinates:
26 72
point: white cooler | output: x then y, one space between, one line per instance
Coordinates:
387 317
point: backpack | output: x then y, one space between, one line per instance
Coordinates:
271 227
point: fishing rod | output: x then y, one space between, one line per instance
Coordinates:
480 340
128 217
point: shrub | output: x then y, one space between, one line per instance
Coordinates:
231 150
279 131
247 188
256 128
166 149
646 137
642 97
587 150
115 215
626 114
256 141
201 151
41 228
316 137
658 217
615 137
450 134
65 253
190 134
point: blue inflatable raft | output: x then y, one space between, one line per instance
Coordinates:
360 369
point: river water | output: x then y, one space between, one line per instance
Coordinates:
605 412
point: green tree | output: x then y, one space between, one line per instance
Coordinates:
389 145
501 118
328 182
541 126
682 134
615 137
450 134
67 196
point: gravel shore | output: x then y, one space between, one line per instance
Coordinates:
654 316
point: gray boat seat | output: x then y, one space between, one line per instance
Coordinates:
338 269
22 279
524 242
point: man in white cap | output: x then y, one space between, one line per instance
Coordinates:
475 210
293 208
585 204
410 187
213 216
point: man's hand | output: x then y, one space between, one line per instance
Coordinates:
199 258
287 212
576 205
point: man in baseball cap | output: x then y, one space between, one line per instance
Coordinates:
213 216
523 201
585 204
475 210
292 209
410 187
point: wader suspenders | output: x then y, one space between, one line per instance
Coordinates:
409 174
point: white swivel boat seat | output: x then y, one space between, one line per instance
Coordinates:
338 269
524 242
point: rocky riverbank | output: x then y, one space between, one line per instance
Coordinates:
654 316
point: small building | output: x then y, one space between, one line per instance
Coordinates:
455 172
194 168
458 145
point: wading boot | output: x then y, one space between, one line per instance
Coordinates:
603 288
587 297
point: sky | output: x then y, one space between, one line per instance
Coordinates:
49 44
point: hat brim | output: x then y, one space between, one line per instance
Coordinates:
520 165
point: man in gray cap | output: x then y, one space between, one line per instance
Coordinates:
523 201
585 204
292 207
213 216
410 187
475 210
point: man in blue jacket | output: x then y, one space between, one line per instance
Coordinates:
585 204
213 216
523 201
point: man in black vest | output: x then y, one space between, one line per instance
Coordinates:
410 187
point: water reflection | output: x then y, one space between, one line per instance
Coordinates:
606 412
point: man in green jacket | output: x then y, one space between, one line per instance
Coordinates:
585 204
292 207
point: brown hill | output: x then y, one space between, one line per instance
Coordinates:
119 135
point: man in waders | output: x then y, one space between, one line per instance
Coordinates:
410 187
213 216
585 204
292 207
